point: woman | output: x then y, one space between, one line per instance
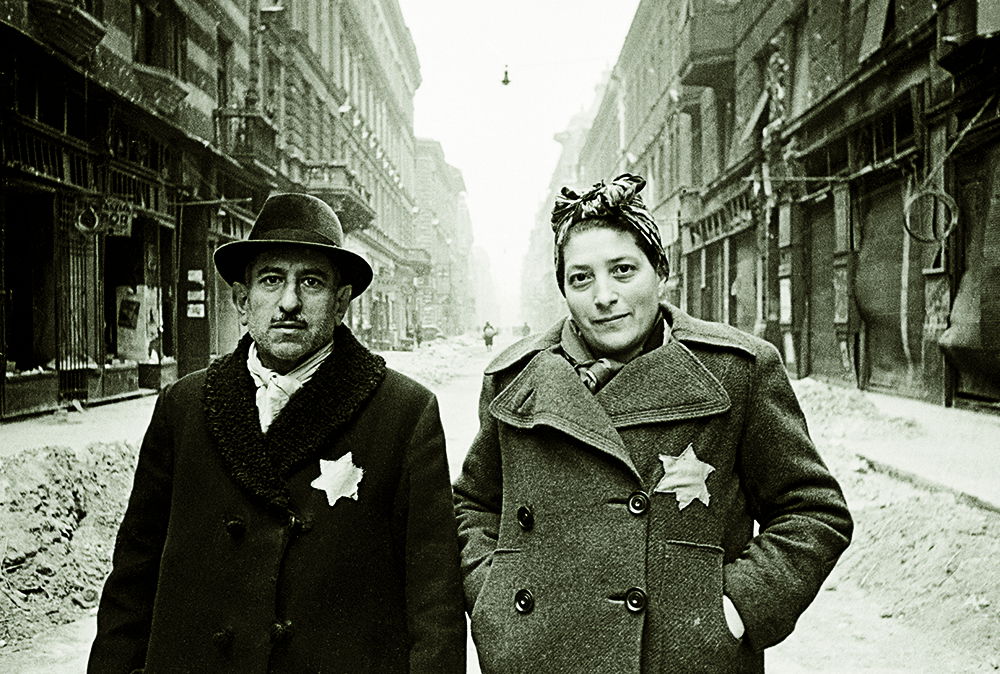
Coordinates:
606 506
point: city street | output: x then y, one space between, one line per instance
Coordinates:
916 591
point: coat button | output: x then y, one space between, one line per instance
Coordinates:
280 631
223 639
638 503
524 602
635 600
236 527
297 525
526 518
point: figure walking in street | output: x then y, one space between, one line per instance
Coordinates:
607 504
489 332
291 509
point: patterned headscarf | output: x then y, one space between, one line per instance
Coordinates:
617 202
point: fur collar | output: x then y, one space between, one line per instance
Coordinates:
261 463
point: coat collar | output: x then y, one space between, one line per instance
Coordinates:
261 463
667 384
683 327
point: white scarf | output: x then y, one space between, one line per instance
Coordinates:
273 389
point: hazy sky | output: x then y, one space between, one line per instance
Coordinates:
501 137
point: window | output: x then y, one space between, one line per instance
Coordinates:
223 70
159 36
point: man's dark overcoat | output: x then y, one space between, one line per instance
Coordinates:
575 562
228 560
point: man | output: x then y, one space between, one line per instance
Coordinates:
291 510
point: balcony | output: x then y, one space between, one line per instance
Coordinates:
67 27
967 31
337 185
164 90
419 260
705 44
247 136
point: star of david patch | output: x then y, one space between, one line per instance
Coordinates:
338 479
685 476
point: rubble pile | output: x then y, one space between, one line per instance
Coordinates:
59 511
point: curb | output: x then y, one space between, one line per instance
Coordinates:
930 485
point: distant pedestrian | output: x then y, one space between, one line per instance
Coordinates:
607 505
291 509
489 332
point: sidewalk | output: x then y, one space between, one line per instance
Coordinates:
125 420
937 447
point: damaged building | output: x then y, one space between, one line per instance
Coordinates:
138 135
826 174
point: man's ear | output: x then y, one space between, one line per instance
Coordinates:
241 298
342 302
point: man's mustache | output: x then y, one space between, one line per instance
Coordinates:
288 322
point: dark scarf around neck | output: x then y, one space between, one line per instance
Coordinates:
596 372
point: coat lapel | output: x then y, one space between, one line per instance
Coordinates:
548 392
666 384
261 464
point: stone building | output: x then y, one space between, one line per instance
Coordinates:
444 230
137 135
825 175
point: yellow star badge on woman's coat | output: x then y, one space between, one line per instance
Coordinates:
685 475
339 479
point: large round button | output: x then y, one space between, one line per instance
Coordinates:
524 602
635 600
638 503
281 631
525 518
236 527
223 638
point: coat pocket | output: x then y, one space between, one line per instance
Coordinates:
687 625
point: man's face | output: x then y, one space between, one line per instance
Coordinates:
291 303
612 290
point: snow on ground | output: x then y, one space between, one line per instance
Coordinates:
918 589
437 361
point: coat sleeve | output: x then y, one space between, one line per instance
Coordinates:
126 609
434 615
478 499
804 521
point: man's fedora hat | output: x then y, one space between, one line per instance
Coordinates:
297 219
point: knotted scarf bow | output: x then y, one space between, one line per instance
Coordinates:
273 389
618 201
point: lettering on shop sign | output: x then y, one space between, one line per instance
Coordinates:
116 216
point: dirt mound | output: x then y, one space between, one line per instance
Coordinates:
59 512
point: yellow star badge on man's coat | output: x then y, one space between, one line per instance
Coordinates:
339 478
685 475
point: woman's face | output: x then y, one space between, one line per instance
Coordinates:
612 290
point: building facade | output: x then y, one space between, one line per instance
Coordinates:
824 174
444 230
138 135
541 302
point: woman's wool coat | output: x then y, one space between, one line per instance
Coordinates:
581 554
229 560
